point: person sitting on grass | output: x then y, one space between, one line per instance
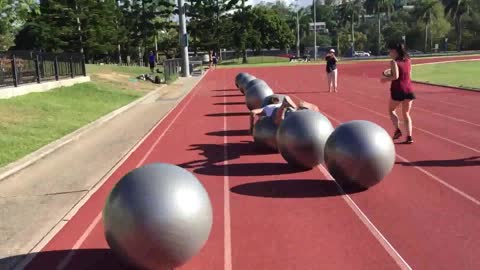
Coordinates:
266 111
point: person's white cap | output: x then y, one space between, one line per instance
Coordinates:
332 50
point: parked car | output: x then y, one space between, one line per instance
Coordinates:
360 54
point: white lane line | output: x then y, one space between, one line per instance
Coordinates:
420 129
64 263
371 227
432 176
422 109
226 196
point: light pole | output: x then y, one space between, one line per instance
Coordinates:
183 38
315 30
298 33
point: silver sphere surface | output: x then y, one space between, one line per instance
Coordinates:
257 90
359 153
301 138
157 217
265 133
242 81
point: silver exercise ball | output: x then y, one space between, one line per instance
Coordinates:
243 80
301 138
256 91
157 217
268 100
264 133
360 153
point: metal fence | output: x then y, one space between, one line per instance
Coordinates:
171 68
23 67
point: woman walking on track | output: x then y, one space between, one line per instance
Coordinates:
401 89
332 72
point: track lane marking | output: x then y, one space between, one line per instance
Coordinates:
226 196
67 259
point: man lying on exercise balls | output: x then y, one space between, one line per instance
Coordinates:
279 110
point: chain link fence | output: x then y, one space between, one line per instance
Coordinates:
23 67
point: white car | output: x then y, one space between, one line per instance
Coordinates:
360 53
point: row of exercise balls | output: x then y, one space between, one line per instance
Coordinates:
358 153
254 89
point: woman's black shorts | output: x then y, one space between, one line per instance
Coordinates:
401 96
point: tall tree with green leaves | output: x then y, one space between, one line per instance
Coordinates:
457 9
348 12
13 15
378 7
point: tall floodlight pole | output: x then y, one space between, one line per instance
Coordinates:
183 38
315 30
298 32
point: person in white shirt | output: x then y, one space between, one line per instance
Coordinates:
266 111
279 110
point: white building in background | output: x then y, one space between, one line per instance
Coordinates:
319 27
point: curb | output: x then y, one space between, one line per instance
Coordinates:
23 263
446 86
32 158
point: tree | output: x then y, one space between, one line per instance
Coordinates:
424 12
13 15
378 7
347 13
456 9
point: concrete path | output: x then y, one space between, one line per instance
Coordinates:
40 198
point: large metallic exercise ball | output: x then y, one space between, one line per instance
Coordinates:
359 153
157 217
268 100
301 138
256 91
242 80
264 133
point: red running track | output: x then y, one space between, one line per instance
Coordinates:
424 215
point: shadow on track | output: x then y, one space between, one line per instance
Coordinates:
83 259
461 162
234 132
225 90
228 114
304 188
228 96
215 153
229 103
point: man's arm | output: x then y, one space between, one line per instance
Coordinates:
252 117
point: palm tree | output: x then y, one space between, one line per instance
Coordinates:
424 12
456 9
378 7
347 12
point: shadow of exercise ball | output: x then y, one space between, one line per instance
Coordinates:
242 80
257 90
265 133
157 217
301 138
359 153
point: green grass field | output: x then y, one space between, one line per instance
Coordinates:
457 74
32 121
